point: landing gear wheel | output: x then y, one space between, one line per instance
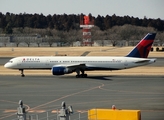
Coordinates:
83 75
22 73
78 76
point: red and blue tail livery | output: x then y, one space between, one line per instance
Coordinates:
143 48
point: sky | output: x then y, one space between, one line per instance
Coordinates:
137 8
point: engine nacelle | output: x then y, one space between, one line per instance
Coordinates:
60 70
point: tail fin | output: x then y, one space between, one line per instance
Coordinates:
142 49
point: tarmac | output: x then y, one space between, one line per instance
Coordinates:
46 93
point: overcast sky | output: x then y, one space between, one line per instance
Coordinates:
136 8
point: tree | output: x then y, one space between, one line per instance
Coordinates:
159 24
160 37
4 40
19 22
8 29
108 22
72 36
28 40
3 22
67 22
62 38
99 22
17 40
38 41
51 25
50 41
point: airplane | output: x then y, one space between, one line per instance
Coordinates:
60 65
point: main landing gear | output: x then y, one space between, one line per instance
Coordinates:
22 73
80 75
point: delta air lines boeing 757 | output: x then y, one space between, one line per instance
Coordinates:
60 65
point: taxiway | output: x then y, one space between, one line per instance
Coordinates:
42 93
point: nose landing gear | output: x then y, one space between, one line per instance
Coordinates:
22 73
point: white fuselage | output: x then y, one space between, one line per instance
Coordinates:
61 65
91 63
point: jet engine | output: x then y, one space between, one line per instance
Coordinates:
60 70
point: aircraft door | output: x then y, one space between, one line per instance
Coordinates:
47 62
19 63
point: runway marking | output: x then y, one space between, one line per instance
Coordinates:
132 91
37 111
28 107
9 111
68 96
54 111
82 111
79 111
129 91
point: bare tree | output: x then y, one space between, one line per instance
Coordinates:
113 35
160 38
28 40
17 40
72 36
38 41
97 34
4 40
62 36
50 41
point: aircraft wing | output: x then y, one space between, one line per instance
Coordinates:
62 69
72 66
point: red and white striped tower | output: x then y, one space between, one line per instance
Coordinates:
86 22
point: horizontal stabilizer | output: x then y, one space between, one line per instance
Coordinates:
142 61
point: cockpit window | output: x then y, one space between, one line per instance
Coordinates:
10 61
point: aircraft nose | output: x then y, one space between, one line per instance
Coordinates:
6 65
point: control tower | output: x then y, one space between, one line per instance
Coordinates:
86 22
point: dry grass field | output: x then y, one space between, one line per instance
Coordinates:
77 51
69 51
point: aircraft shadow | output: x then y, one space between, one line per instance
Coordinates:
107 78
100 77
90 77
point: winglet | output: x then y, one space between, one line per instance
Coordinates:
142 49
